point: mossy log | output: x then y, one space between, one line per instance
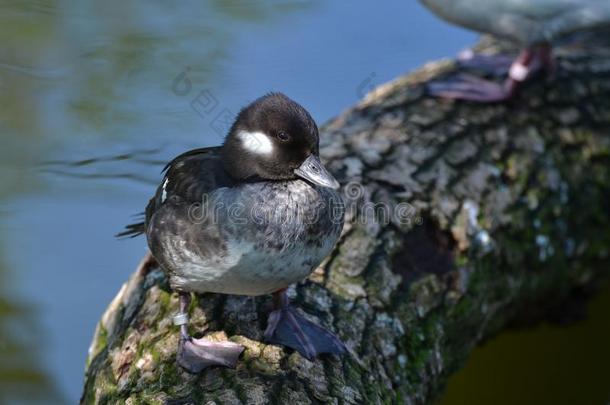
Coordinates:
508 223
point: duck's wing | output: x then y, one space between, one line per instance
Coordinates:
503 18
547 20
539 10
522 21
188 177
585 15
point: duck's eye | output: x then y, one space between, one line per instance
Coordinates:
283 136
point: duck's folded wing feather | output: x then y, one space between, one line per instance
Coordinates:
188 178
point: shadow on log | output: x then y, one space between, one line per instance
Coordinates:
499 216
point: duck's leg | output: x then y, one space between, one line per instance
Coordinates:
468 87
287 327
194 355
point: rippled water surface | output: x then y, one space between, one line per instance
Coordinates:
96 95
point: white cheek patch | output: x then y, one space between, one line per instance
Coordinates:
256 142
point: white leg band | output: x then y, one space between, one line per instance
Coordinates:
519 72
181 319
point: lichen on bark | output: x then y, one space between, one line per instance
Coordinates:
507 221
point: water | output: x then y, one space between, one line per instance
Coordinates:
93 101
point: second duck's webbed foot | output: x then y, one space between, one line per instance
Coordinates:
287 327
496 65
469 87
472 88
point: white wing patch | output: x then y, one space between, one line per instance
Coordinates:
256 142
164 192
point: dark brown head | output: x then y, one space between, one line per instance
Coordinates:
275 138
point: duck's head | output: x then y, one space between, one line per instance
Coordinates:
275 138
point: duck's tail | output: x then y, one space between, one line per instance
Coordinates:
133 230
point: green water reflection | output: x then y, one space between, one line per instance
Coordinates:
22 376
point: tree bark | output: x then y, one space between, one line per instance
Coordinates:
500 217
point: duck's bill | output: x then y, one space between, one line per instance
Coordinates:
312 170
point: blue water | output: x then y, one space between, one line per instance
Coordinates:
82 80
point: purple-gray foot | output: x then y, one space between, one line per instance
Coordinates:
194 355
496 65
472 88
287 327
469 87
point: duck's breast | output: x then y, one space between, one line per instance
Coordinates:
253 239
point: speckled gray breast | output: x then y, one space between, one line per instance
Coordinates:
252 239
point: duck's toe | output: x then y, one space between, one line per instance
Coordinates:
468 87
287 327
194 355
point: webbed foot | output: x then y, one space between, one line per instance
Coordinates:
496 65
472 88
287 327
194 355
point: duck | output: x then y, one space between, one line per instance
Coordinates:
533 25
249 217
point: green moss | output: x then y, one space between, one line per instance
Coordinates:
101 341
169 374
